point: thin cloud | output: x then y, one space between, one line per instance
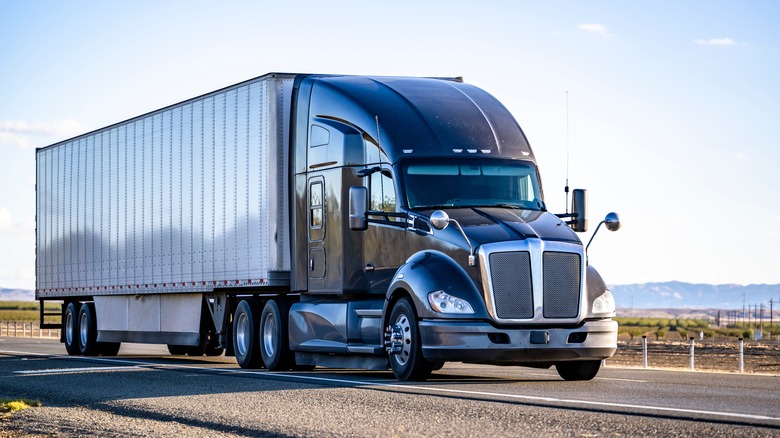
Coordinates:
21 133
715 42
6 220
596 28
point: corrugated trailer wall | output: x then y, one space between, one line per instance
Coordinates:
187 198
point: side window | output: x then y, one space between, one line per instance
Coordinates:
316 213
382 192
315 204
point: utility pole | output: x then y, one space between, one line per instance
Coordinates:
771 317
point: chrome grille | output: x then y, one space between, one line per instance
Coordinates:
561 282
510 273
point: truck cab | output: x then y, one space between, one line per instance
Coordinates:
421 235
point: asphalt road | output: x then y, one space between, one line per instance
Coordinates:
144 391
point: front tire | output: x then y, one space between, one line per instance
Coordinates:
274 341
578 370
409 363
246 329
70 329
88 345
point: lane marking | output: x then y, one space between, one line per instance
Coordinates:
270 374
597 378
77 370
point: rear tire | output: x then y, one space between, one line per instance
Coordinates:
177 350
274 340
246 330
88 345
200 349
409 364
578 370
70 329
109 348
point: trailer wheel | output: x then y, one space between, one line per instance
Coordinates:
70 329
274 341
200 349
88 345
246 329
408 363
578 370
177 350
109 348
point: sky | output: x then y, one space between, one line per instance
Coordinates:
665 111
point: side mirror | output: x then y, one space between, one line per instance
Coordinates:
612 222
440 220
358 199
579 207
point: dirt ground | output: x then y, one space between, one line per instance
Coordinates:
759 357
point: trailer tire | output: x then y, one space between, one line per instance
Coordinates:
274 340
177 350
246 330
70 329
578 370
88 345
109 348
409 364
200 349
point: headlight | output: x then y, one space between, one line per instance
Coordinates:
443 302
604 303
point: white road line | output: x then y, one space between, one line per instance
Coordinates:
76 370
268 374
597 378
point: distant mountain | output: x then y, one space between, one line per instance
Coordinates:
679 295
668 295
16 295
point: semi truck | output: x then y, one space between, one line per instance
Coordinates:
304 220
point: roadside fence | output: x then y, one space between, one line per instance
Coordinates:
27 330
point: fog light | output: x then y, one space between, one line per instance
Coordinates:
443 302
604 303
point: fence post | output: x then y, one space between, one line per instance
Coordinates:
691 361
741 355
16 331
644 351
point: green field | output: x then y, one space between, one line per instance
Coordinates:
26 311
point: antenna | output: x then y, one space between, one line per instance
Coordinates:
566 188
378 136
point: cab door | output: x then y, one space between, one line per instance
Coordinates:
384 245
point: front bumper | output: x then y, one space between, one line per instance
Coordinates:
480 342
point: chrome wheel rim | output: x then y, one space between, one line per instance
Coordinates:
242 334
269 335
406 333
83 328
69 328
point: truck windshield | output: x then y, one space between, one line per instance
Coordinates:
471 182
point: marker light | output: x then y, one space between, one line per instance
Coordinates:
443 302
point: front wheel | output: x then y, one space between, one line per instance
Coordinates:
578 370
408 363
